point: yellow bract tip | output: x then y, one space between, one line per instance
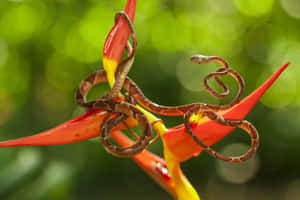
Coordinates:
110 66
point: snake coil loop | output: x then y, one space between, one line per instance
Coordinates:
128 109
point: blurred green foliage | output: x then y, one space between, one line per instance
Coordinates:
47 47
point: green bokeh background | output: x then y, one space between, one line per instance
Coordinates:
48 47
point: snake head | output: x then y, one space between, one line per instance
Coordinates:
200 59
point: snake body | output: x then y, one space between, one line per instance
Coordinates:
128 109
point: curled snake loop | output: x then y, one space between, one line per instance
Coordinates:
243 124
209 110
128 109
124 109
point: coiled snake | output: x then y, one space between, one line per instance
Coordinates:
128 108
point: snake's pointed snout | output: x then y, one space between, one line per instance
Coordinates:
199 59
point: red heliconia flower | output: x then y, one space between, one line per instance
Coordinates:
176 139
178 145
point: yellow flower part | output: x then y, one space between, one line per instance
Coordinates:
110 66
184 189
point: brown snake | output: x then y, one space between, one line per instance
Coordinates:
109 104
130 86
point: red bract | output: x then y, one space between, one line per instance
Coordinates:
77 129
119 34
115 42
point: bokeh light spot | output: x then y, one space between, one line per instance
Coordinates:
28 158
292 7
18 23
93 27
57 172
80 49
215 35
24 164
222 6
237 173
254 8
